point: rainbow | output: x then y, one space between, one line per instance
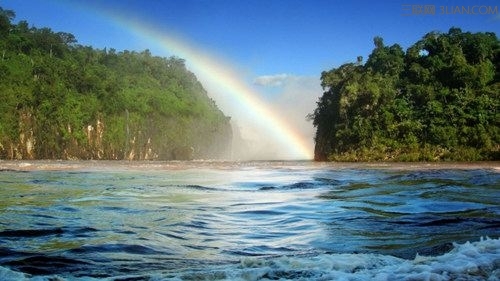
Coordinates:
220 74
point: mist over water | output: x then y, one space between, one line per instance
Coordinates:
292 99
260 220
254 141
251 143
267 124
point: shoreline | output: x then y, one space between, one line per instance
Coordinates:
112 165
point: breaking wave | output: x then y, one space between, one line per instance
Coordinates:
469 261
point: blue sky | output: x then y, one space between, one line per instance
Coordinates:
279 47
299 37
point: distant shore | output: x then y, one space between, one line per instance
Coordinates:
113 165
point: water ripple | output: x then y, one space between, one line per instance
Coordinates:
110 222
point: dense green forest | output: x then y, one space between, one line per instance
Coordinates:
61 100
439 100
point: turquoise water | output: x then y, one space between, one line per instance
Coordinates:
248 221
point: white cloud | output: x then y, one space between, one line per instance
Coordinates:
297 98
271 80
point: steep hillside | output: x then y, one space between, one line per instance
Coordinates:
61 100
439 100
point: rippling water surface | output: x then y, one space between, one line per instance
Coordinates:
248 221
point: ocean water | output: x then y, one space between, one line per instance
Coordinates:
100 220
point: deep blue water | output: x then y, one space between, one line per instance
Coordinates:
248 221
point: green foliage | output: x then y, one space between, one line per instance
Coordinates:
61 100
437 101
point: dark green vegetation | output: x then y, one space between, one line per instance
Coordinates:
61 100
439 100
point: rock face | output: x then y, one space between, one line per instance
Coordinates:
94 144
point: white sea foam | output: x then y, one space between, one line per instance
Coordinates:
470 261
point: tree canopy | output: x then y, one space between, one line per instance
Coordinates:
439 100
61 100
